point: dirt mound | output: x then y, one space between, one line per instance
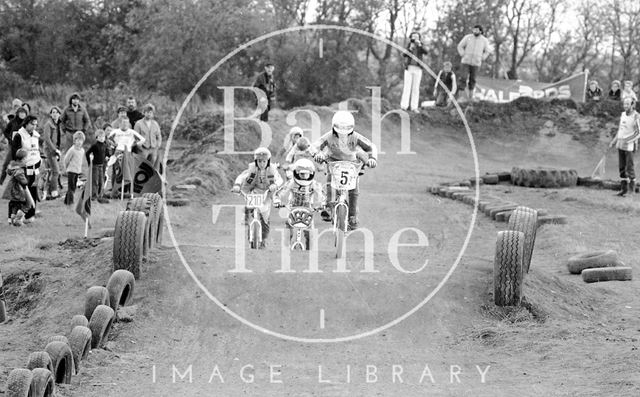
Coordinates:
23 291
79 244
528 116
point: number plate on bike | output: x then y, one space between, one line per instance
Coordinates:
344 175
254 200
300 217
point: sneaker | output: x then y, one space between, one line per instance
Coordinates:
54 194
103 200
353 223
263 245
325 215
19 218
10 221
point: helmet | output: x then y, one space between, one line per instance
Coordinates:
262 153
303 144
296 131
343 122
303 172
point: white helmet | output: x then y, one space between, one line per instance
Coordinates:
296 131
343 122
262 153
303 172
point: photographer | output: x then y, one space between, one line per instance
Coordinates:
412 73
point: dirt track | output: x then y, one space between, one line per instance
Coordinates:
571 339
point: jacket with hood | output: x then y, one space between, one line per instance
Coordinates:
18 181
75 120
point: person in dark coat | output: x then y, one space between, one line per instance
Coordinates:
14 125
74 118
266 83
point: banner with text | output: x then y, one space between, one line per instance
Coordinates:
496 90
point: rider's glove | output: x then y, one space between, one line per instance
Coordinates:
319 157
273 187
236 189
372 163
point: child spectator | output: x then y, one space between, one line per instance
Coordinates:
96 156
19 196
73 164
124 138
594 92
448 78
627 91
625 142
614 92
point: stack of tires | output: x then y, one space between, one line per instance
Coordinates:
62 355
599 266
137 231
514 249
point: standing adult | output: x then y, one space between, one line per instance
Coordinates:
122 115
266 83
150 130
473 48
74 118
412 73
625 141
14 125
27 138
132 111
51 135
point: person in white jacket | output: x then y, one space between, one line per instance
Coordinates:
473 48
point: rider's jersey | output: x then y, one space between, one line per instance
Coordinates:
338 148
302 196
297 154
259 180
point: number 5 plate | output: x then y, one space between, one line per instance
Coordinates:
344 175
254 200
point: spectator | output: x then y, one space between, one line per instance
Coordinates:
51 140
124 138
448 78
473 48
73 164
150 130
19 208
96 157
266 83
594 92
625 141
74 118
412 73
627 91
614 92
14 125
132 111
15 104
27 138
26 107
122 115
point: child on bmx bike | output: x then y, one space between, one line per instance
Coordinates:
260 177
302 195
342 143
